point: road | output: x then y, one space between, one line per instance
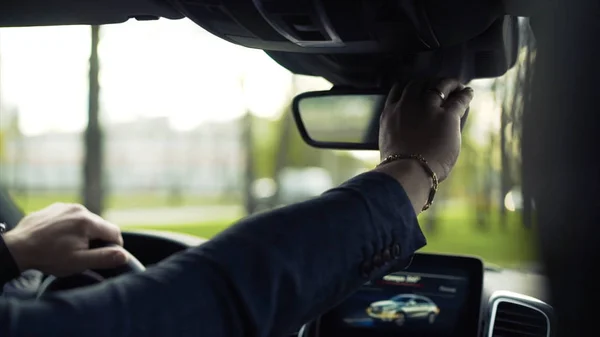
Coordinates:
172 215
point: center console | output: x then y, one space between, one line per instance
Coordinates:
437 295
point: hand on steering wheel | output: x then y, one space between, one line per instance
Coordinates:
56 241
90 277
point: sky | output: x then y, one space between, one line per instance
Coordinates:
158 68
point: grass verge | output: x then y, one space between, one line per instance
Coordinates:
510 247
34 202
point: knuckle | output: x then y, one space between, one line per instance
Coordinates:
82 222
72 208
77 207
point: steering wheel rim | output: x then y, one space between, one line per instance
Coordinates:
90 277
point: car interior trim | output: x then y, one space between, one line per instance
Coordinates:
515 298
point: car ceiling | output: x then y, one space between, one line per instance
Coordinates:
361 43
77 12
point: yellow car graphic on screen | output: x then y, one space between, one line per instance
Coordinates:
404 307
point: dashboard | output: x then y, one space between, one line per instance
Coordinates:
438 295
442 296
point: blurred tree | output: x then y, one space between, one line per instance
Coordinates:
516 84
176 179
505 174
489 175
471 154
466 182
343 165
486 173
285 127
10 132
529 42
93 189
299 154
250 202
265 139
504 88
278 144
282 146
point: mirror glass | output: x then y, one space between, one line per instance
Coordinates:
340 118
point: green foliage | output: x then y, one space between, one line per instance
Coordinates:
34 202
456 235
268 142
458 232
2 145
300 154
9 130
265 134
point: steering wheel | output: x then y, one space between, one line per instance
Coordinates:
89 277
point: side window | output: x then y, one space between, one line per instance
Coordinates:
400 298
421 301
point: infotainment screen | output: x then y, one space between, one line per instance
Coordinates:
437 296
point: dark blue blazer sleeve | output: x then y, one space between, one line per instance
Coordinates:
264 276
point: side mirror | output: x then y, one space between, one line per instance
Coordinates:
340 119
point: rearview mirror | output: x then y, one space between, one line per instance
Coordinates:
339 119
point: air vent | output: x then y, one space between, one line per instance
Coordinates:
512 314
516 320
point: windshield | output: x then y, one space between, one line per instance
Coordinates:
189 133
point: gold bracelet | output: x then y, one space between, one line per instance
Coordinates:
425 165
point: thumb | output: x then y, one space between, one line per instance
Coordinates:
458 101
100 258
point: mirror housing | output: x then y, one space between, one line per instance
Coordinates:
346 119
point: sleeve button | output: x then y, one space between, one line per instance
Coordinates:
386 255
396 251
366 268
377 260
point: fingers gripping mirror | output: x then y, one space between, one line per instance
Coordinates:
347 120
339 119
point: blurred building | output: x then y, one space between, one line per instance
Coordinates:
144 155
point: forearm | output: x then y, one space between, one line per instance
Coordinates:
261 277
319 252
8 267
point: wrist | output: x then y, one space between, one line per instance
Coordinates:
17 250
417 183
